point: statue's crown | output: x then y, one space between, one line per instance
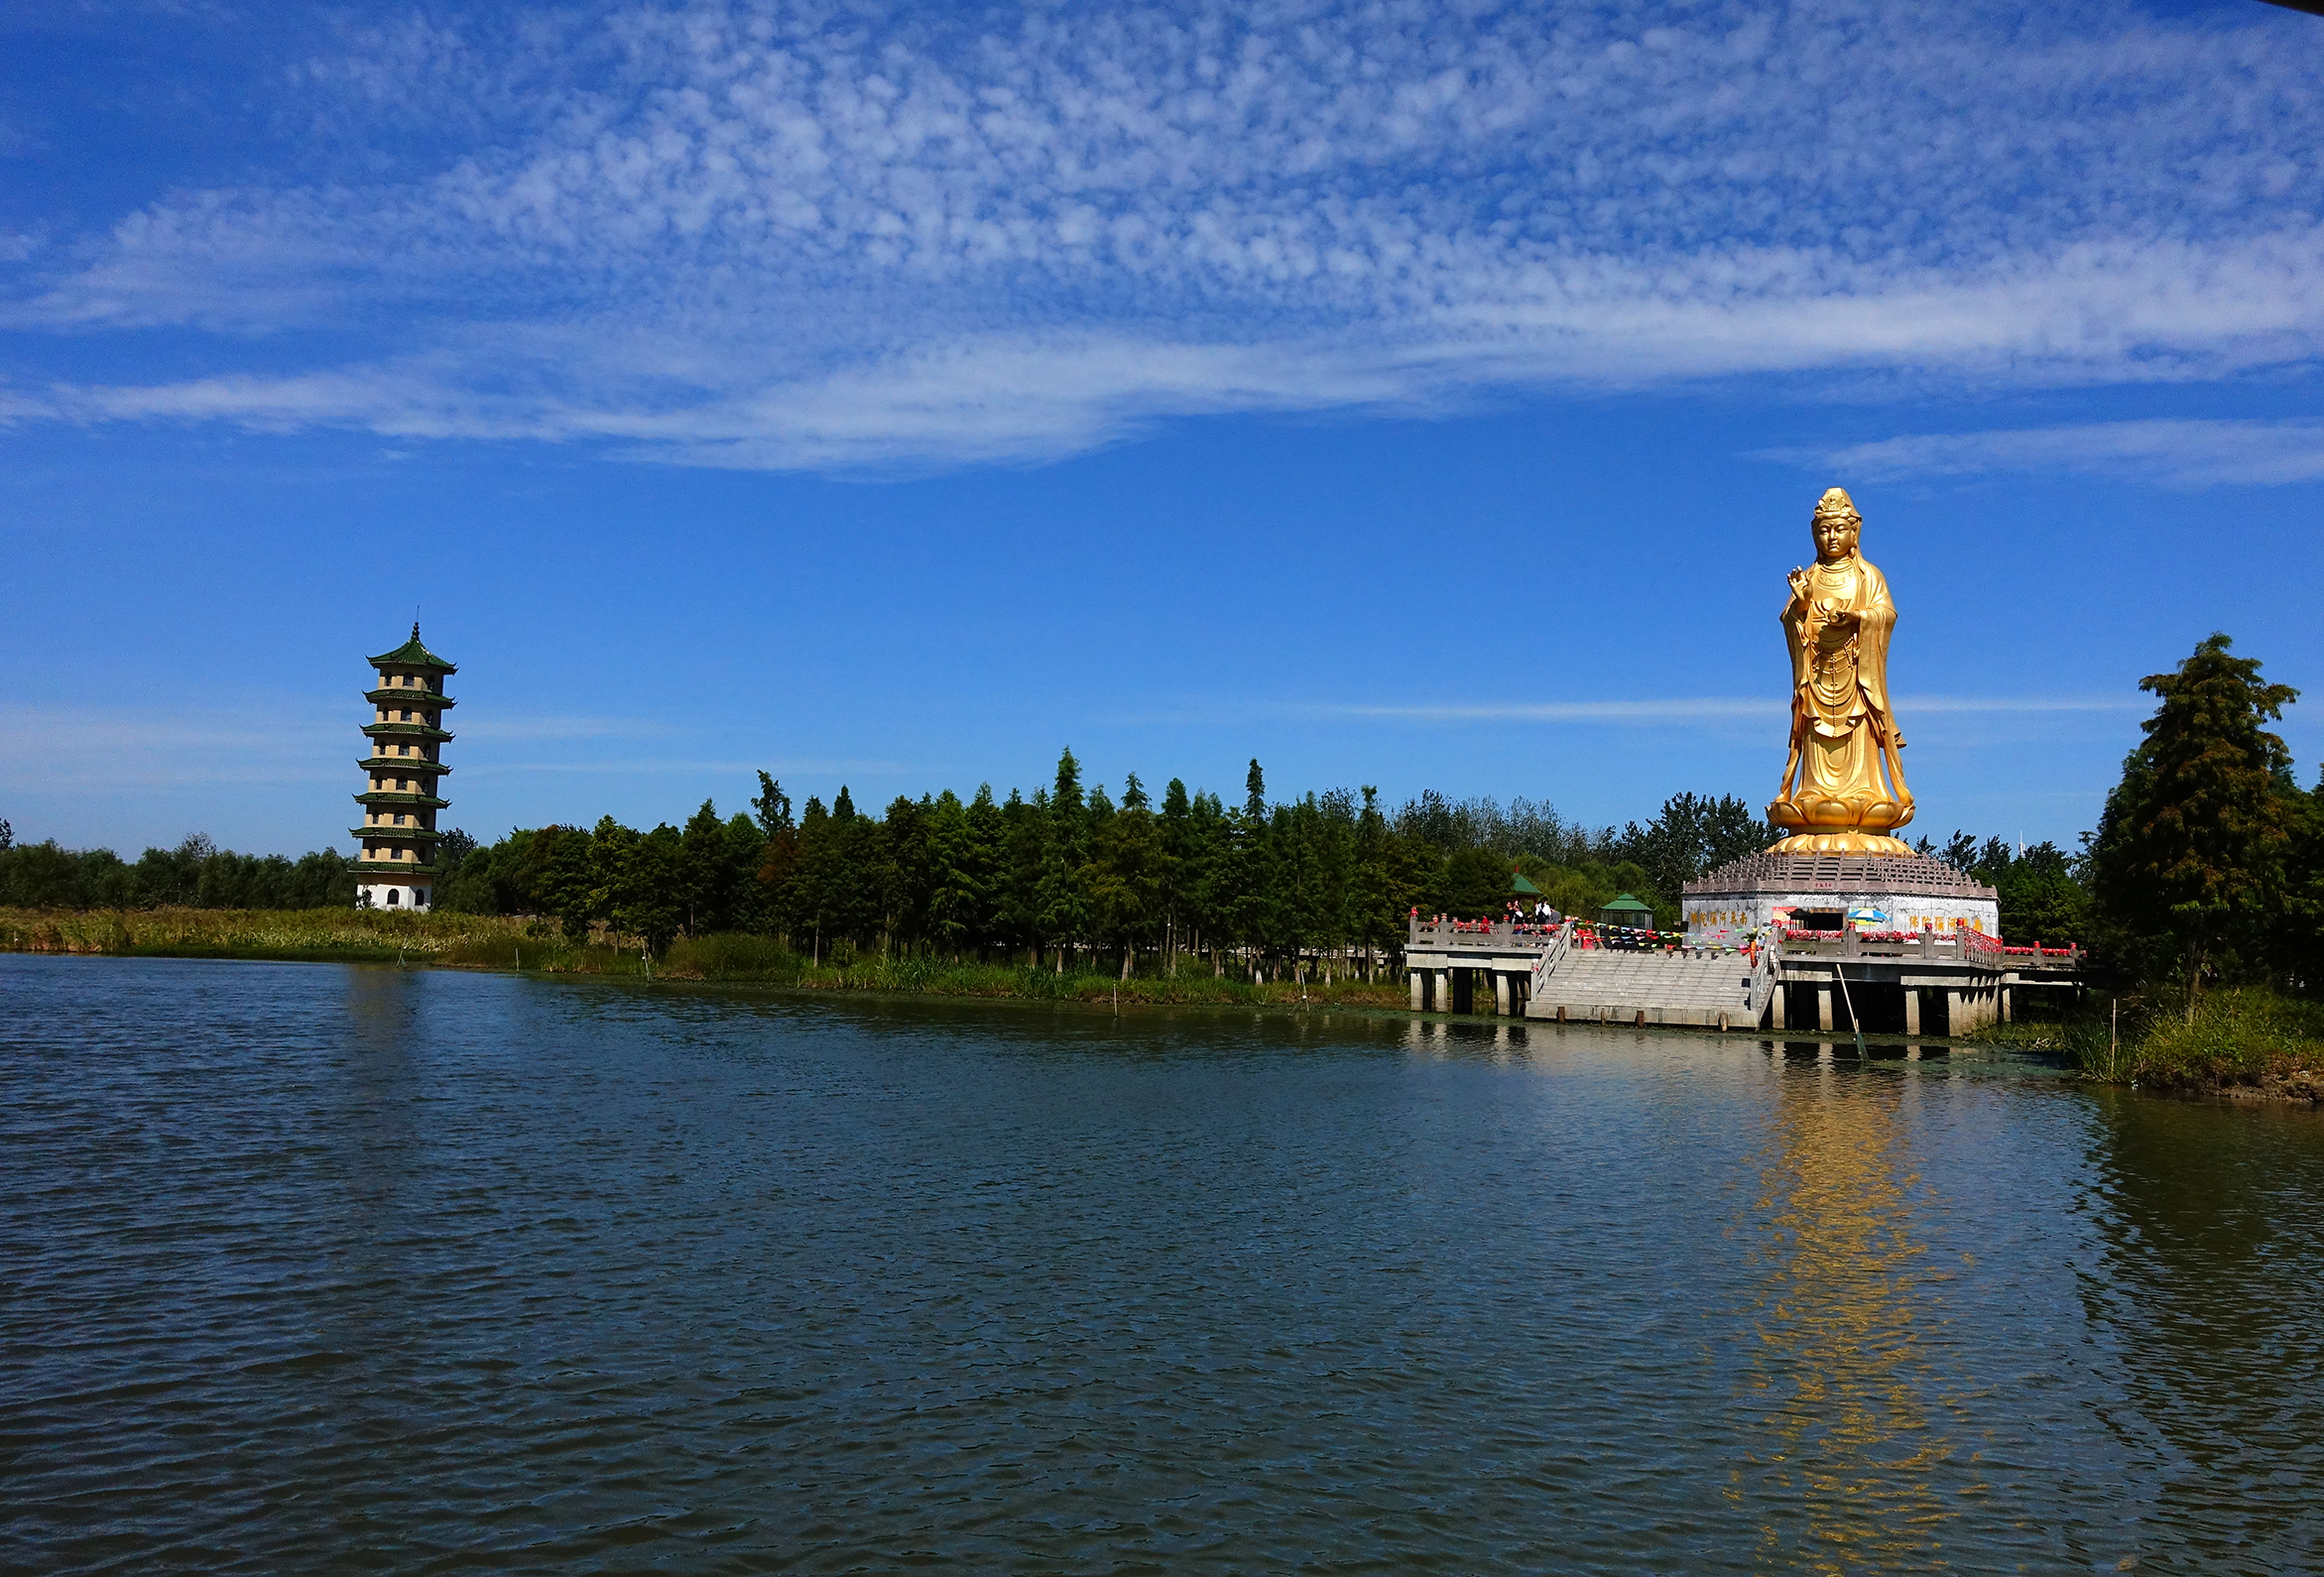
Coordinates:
1837 502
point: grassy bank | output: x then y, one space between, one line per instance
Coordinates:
758 959
329 935
2243 1042
499 943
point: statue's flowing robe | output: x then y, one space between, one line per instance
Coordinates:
1842 728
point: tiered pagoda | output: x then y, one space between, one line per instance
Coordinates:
397 868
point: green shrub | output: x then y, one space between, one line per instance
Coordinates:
2236 1036
730 955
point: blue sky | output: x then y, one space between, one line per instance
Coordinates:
1414 395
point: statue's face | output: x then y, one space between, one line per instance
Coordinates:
1835 538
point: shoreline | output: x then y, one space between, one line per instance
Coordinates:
501 943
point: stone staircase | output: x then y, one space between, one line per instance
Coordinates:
1707 990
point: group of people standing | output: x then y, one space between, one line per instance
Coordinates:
1516 915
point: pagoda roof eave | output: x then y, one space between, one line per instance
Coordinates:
413 764
413 655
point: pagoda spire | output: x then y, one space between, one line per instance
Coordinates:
397 867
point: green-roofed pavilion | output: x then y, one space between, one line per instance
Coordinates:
1627 910
1522 888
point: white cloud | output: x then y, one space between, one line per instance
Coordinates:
51 748
828 236
2177 453
48 748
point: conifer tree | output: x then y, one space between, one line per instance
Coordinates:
1026 824
702 870
982 858
1174 831
1063 904
2189 856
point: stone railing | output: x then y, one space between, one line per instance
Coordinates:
1959 946
1546 965
1495 935
1767 974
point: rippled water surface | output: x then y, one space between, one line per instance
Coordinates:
317 1269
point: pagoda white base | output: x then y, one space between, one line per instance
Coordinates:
392 895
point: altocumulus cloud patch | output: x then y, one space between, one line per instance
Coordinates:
800 236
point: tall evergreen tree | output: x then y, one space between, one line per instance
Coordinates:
817 871
742 899
1206 875
702 871
1248 911
1126 871
1379 908
907 868
1063 899
772 806
645 885
2190 848
955 894
984 859
1026 824
1175 837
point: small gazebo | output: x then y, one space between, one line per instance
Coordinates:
1627 910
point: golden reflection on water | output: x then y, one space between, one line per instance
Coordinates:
1849 1408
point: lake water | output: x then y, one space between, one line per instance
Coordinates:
313 1269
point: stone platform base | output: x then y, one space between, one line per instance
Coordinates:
1913 891
393 895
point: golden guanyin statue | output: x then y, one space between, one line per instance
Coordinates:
1834 798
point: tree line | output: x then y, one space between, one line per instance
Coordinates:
2207 865
1076 877
196 874
1069 873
